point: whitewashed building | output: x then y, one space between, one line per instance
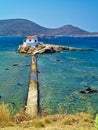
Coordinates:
31 41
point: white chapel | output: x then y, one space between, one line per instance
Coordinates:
30 41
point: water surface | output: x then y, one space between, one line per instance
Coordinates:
14 73
63 75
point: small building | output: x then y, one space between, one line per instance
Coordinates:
31 41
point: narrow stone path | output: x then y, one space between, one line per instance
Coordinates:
32 99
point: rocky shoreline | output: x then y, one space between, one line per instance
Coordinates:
44 48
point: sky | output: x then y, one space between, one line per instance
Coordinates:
53 13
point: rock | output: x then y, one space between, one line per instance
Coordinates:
0 97
91 50
6 69
44 48
49 50
88 90
58 60
27 48
15 64
19 84
83 92
30 50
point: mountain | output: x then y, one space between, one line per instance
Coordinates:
68 30
23 27
20 27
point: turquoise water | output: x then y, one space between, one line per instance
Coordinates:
14 73
63 75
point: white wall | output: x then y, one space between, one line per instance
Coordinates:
31 43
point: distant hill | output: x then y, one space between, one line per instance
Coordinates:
23 27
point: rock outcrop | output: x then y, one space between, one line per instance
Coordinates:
44 48
88 90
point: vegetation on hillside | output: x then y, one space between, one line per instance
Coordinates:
22 121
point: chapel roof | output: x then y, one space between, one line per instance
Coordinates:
31 37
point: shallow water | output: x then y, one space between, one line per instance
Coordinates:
63 75
14 74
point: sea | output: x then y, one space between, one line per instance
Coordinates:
14 73
63 77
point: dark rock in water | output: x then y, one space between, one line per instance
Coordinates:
83 92
58 60
91 50
89 90
6 69
19 84
0 97
15 64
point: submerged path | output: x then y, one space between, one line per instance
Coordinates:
32 99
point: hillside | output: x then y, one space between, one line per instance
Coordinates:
18 27
69 30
